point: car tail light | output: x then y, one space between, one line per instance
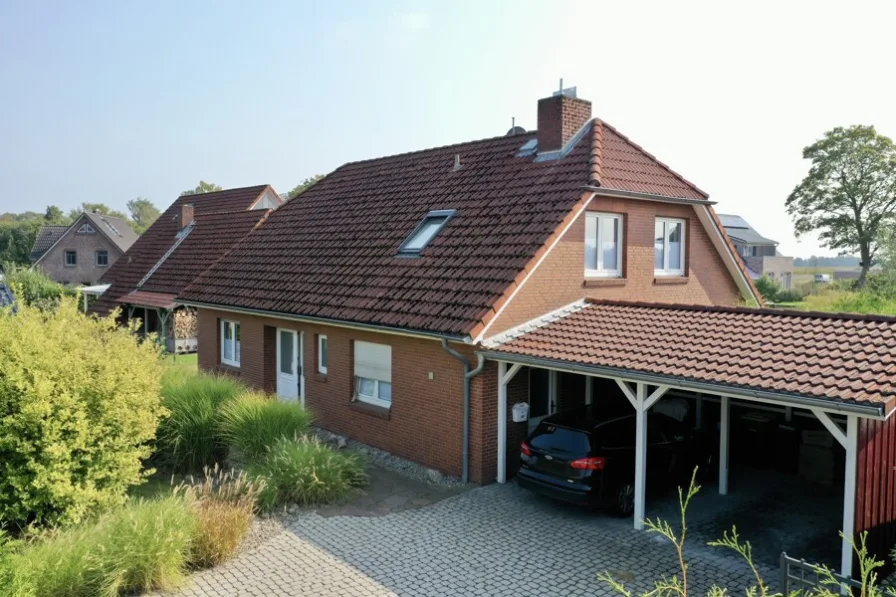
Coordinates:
525 450
594 463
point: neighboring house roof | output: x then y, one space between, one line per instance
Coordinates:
738 228
46 238
333 253
158 300
830 356
117 229
166 257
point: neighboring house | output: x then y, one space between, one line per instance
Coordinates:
760 254
83 252
192 234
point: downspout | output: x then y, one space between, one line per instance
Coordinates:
468 375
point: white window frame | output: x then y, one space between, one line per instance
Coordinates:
377 374
234 331
97 258
322 347
665 271
601 270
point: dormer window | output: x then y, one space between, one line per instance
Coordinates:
425 231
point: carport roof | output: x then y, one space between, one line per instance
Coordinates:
835 357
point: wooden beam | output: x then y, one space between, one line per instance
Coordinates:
831 426
627 391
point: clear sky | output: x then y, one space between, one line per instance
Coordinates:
107 101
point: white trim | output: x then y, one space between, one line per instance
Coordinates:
724 434
533 324
234 361
682 251
623 385
375 400
535 267
96 257
65 255
640 457
321 339
600 270
849 494
655 396
731 260
831 426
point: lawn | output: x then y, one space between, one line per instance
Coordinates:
184 362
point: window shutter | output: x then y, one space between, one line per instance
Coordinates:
373 361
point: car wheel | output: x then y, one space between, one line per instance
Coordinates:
624 500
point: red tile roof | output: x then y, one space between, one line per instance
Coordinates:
838 357
221 220
159 300
331 253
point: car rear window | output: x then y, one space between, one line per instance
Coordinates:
560 439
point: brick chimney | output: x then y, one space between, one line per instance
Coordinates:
186 215
559 117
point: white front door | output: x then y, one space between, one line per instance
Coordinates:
542 395
290 377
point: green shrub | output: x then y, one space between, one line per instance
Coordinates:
842 301
304 471
79 404
768 288
253 423
224 504
141 546
15 581
32 287
189 439
788 296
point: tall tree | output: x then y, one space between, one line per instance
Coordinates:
849 193
98 208
203 187
143 214
305 184
55 216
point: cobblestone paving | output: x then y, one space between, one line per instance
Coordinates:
494 540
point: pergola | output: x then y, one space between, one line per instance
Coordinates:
163 304
839 368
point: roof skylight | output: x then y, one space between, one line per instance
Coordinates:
425 231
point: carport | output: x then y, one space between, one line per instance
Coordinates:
840 368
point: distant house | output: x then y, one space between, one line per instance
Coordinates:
83 252
192 234
6 297
760 254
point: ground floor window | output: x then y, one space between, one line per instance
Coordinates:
373 373
230 343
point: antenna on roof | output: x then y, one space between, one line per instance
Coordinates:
568 92
514 129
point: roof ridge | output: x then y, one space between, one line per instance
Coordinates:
254 186
654 158
597 151
436 148
748 310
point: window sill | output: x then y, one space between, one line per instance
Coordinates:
368 409
320 377
225 368
603 282
670 280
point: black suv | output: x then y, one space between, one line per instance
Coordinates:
577 458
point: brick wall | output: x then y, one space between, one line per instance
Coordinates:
426 418
86 246
560 279
559 118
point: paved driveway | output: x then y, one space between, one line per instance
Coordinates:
494 540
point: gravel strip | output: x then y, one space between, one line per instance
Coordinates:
388 461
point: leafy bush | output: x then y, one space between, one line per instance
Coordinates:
189 439
253 423
788 296
79 404
224 503
32 287
139 547
768 288
304 471
841 301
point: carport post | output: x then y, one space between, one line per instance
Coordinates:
724 427
504 377
849 494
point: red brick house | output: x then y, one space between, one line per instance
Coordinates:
193 233
397 297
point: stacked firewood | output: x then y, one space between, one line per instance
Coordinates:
185 324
